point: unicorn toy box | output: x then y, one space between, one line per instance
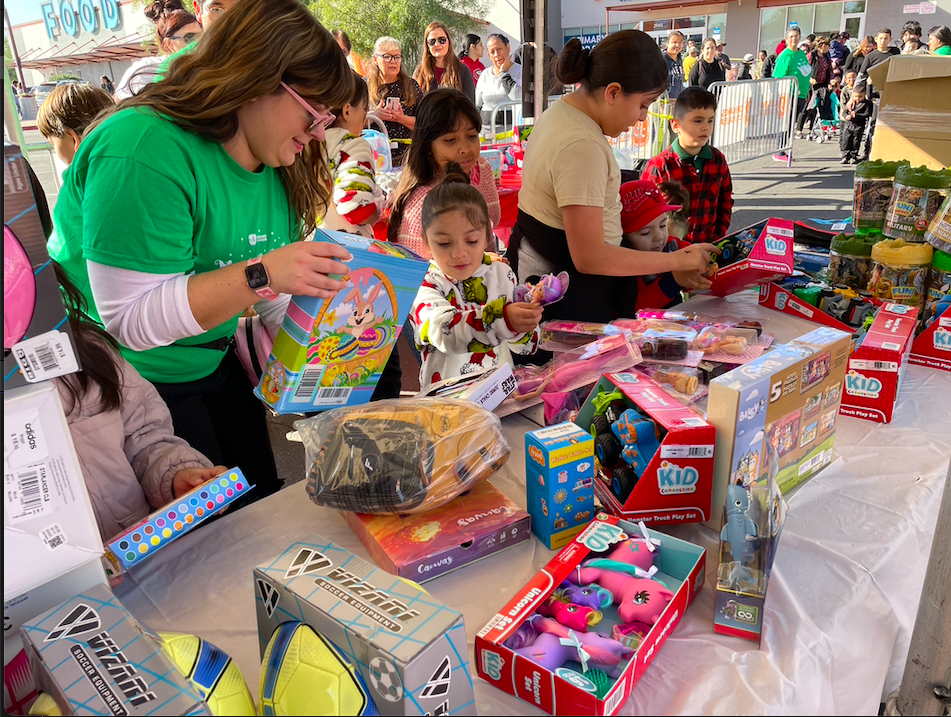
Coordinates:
329 353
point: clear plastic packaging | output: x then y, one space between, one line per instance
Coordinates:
401 455
724 339
938 233
578 367
874 183
559 336
682 379
940 288
918 194
850 259
900 272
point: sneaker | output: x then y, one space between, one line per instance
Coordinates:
781 157
846 160
798 135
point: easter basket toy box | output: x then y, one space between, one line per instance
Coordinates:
329 353
664 476
423 546
591 670
408 647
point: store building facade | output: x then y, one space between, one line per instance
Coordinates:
745 25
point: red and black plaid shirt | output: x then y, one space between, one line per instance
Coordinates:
711 195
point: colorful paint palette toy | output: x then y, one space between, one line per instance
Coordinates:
143 540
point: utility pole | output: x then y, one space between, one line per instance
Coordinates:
13 48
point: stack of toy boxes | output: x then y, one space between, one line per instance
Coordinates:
423 546
409 647
559 472
330 353
675 485
932 348
93 658
37 339
877 366
790 397
770 257
567 689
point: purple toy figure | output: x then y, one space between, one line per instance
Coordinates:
592 596
555 645
549 289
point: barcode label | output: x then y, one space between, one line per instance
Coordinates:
53 537
27 492
565 429
332 396
307 385
816 460
693 422
891 346
614 701
45 356
890 366
490 625
686 451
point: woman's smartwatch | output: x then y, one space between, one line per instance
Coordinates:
258 280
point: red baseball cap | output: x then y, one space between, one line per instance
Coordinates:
641 203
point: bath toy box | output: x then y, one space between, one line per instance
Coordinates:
329 353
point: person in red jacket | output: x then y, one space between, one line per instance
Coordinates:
645 221
702 169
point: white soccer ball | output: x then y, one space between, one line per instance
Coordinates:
386 679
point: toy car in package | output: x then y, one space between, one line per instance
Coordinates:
400 455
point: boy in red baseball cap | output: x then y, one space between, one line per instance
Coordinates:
644 222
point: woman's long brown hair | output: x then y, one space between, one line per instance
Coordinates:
375 80
426 72
244 56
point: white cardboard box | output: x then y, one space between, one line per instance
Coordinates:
51 544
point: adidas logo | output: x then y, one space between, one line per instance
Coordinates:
438 684
307 561
269 595
81 619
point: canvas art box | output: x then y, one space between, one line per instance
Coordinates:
329 353
409 648
423 546
94 658
790 397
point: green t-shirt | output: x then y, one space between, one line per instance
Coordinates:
696 160
943 50
794 63
162 69
146 195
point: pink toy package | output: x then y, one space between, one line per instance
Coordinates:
770 258
581 633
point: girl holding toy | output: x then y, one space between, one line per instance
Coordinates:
569 216
464 318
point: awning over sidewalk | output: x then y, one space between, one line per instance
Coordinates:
129 47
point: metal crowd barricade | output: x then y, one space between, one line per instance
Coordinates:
645 139
505 133
754 118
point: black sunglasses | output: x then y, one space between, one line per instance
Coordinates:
440 40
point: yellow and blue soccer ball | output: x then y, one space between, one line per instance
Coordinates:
212 672
305 674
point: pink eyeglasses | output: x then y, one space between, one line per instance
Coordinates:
320 123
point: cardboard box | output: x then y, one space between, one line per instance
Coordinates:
789 396
94 658
770 258
932 348
484 388
329 353
400 638
676 484
144 539
877 366
914 115
559 473
52 549
477 524
566 691
41 341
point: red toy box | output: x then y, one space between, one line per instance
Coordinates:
933 347
775 297
877 366
770 258
675 485
566 690
426 545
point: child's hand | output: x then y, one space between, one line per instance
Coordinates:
493 257
692 280
188 478
695 257
523 317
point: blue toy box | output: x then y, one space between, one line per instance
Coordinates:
329 353
559 479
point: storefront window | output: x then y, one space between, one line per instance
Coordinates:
855 6
657 25
683 23
716 26
801 16
828 18
631 26
772 28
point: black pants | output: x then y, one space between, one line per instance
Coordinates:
221 417
851 140
784 137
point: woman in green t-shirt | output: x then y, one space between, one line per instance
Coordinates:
187 205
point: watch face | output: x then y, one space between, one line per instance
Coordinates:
257 276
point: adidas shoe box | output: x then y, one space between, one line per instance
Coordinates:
94 658
409 648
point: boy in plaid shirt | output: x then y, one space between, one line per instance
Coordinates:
697 166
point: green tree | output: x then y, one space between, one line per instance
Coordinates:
366 20
8 59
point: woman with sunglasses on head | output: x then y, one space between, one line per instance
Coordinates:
440 67
394 95
174 29
188 204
